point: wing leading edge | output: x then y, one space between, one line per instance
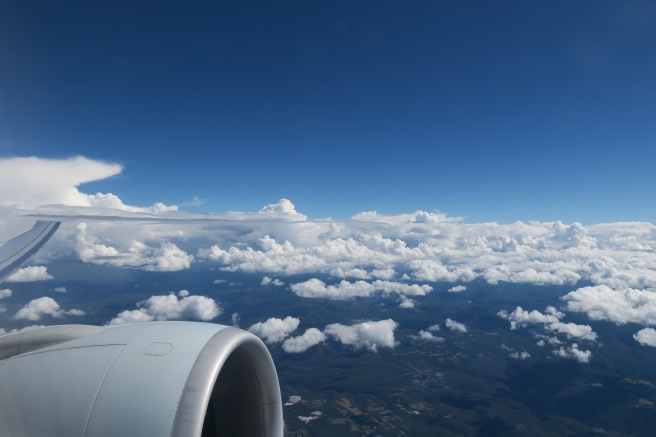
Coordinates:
18 250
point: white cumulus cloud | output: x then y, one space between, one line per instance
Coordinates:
550 319
646 337
455 326
621 306
33 181
520 355
366 335
316 288
275 330
30 274
427 336
267 280
457 289
310 337
37 308
574 353
166 258
169 307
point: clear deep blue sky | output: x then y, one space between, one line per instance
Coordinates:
491 110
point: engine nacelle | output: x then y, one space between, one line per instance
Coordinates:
178 379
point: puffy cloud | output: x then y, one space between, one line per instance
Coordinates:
183 293
310 337
235 319
455 326
574 353
266 281
275 330
30 274
5 293
37 308
169 307
435 271
31 181
366 335
427 336
646 337
406 303
551 320
166 258
385 274
572 330
284 208
520 355
620 306
315 288
279 241
457 289
520 317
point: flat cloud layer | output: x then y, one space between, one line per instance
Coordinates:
371 253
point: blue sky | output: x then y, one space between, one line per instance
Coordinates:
497 111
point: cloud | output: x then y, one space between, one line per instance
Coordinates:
275 330
37 308
5 293
169 307
520 318
315 288
310 337
646 337
266 281
617 259
457 289
284 207
385 274
366 335
620 306
427 336
574 353
455 326
166 258
235 319
520 355
406 303
30 274
60 290
33 181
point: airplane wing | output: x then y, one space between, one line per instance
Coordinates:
18 250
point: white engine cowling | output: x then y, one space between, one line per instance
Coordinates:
177 379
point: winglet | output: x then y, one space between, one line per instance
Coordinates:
17 251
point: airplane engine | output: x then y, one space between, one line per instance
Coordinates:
178 379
